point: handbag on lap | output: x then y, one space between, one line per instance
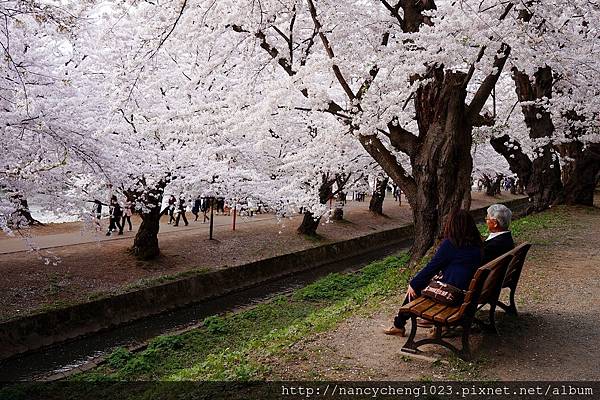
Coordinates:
444 293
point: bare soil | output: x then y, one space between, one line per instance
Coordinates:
555 336
87 268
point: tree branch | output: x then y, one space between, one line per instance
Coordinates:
336 70
488 84
390 165
373 72
402 140
164 39
332 106
393 10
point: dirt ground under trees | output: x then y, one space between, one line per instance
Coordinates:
87 270
554 337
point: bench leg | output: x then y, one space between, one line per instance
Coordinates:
491 326
410 346
512 308
465 352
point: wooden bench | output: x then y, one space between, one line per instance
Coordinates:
512 276
490 294
484 288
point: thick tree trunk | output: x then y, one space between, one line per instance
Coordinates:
23 210
145 244
579 172
541 177
442 168
309 224
338 211
518 162
376 203
338 214
544 186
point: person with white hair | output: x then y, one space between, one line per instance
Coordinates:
500 240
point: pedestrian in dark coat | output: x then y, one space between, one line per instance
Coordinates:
181 212
116 212
196 207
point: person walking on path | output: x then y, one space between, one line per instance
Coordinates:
181 212
127 213
116 212
171 208
196 207
204 208
97 210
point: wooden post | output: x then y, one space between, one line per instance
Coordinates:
212 218
234 213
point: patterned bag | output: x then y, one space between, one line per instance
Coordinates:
444 293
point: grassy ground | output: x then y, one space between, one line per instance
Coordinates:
230 347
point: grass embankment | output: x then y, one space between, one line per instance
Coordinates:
230 347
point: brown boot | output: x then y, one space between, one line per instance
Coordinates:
395 331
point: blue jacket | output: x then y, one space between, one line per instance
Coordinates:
457 264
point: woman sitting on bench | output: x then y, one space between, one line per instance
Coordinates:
457 259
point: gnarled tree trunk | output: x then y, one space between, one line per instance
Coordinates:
145 244
442 168
540 177
579 172
376 203
544 187
309 224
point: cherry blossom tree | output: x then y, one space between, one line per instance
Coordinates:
385 69
553 69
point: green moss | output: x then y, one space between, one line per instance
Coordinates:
118 358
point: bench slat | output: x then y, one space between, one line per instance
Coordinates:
433 311
420 308
408 306
443 316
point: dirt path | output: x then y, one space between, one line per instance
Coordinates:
554 338
75 273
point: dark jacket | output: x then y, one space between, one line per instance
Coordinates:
457 265
497 246
115 210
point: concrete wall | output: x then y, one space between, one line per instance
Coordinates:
36 331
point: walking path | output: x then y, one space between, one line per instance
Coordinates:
87 265
79 233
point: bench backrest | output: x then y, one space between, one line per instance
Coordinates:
469 305
493 283
516 266
485 284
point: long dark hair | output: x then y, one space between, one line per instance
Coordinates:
461 230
